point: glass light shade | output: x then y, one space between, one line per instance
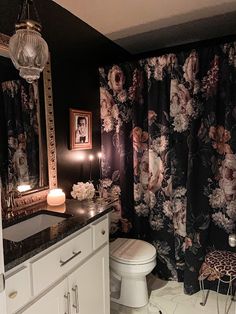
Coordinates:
29 53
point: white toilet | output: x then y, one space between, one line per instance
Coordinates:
130 261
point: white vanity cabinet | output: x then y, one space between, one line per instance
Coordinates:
17 289
72 278
89 286
52 302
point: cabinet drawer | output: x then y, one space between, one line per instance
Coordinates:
49 268
100 233
17 290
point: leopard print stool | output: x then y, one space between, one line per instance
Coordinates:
217 265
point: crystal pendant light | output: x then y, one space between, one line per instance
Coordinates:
28 50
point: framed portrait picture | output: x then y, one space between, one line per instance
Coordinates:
80 129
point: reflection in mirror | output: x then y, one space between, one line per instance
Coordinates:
27 142
22 140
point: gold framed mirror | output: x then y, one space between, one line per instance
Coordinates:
38 194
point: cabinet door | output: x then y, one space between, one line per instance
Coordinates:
2 285
54 302
89 285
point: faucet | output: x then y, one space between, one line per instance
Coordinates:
10 201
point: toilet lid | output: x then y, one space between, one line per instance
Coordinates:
131 251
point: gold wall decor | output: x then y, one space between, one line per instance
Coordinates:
25 199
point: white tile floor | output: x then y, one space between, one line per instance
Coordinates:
169 298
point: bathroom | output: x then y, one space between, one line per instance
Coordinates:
75 84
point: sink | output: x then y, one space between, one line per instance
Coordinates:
31 226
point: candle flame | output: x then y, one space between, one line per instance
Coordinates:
55 192
81 157
91 157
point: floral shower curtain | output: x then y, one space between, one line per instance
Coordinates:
169 145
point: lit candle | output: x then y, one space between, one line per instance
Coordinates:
91 158
100 164
100 186
57 208
81 158
56 197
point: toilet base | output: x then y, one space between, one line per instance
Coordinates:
133 292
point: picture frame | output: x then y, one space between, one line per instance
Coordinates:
80 129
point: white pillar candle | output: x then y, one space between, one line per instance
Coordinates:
59 208
56 197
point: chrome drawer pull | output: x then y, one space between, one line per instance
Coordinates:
67 297
76 305
69 259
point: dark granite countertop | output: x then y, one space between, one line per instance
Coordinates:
78 214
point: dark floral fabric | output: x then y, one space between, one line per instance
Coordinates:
169 144
19 154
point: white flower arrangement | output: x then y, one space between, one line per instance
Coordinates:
82 191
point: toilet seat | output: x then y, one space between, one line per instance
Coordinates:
131 251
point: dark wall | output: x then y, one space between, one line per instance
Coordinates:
80 89
76 52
